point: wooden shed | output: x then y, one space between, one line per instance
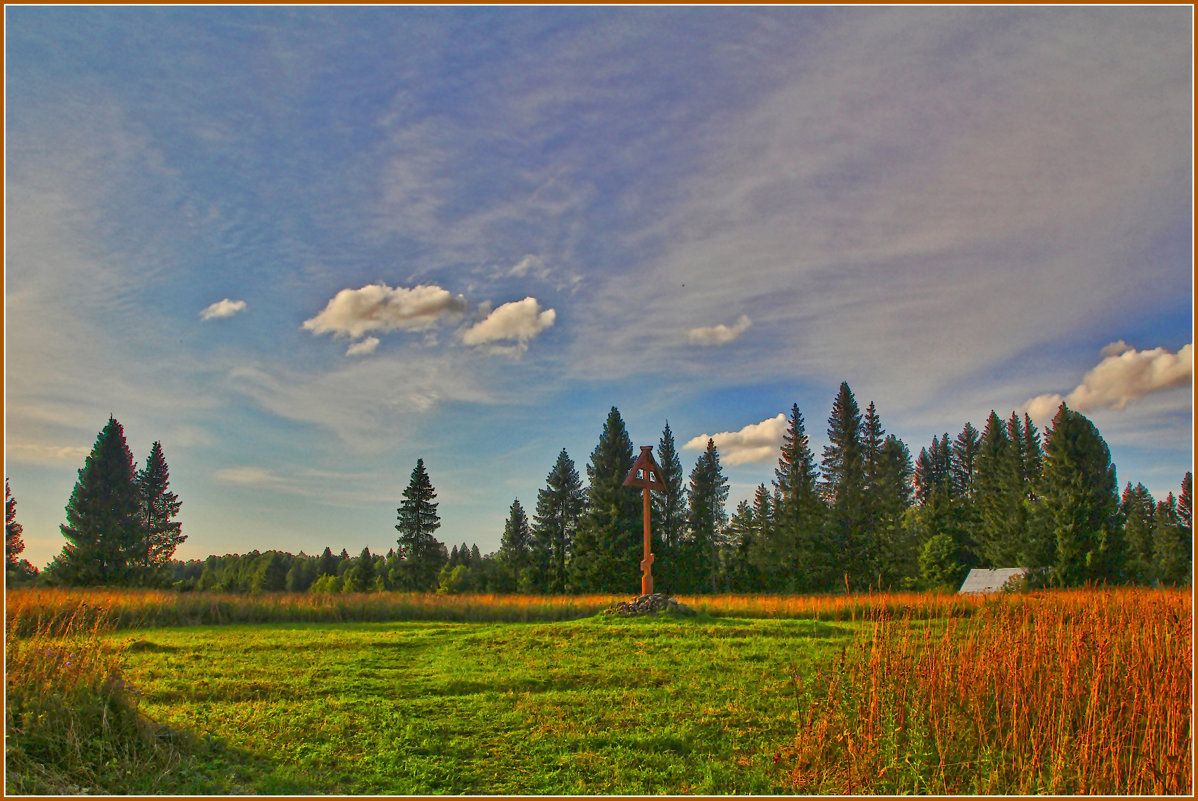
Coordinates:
985 580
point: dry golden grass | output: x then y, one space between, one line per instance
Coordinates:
1073 692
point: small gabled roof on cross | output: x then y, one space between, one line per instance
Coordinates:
645 472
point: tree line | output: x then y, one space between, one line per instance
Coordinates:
866 516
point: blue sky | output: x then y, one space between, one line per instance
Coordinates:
303 247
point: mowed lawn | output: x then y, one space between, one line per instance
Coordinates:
600 705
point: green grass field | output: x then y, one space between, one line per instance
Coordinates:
138 692
590 706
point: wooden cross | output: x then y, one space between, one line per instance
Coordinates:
647 475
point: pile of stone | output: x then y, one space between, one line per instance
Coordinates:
655 604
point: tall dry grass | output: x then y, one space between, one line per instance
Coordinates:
72 725
30 609
1076 692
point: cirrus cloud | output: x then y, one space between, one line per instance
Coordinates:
378 307
222 308
758 442
1124 375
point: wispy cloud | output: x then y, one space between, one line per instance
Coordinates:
1125 375
719 334
222 308
755 443
363 348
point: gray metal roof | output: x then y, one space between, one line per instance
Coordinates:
982 580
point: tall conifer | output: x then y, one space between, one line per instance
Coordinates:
103 530
560 507
423 554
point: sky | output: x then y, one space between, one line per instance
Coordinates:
303 247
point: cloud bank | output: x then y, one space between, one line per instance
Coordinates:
222 308
719 334
378 307
1124 375
759 442
363 348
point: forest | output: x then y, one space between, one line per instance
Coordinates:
867 516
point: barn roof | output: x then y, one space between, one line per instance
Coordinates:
982 580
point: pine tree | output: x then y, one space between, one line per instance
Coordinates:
103 529
791 558
422 554
1185 513
609 543
1138 510
161 534
269 572
844 489
1079 504
743 531
668 513
708 494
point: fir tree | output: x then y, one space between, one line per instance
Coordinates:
103 530
897 553
161 534
1079 505
17 570
708 494
326 565
668 510
13 544
1000 494
362 575
608 547
422 554
559 510
1171 566
515 547
844 489
270 573
1138 510
791 556
964 464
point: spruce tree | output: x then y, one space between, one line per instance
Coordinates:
103 528
964 465
560 506
1000 493
421 552
1138 510
326 565
608 547
843 467
13 544
668 513
897 556
16 569
708 495
515 547
161 533
1079 504
792 555
1171 566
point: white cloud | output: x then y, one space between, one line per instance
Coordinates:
222 308
719 334
248 477
37 453
529 263
363 348
518 321
378 307
759 442
1124 375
